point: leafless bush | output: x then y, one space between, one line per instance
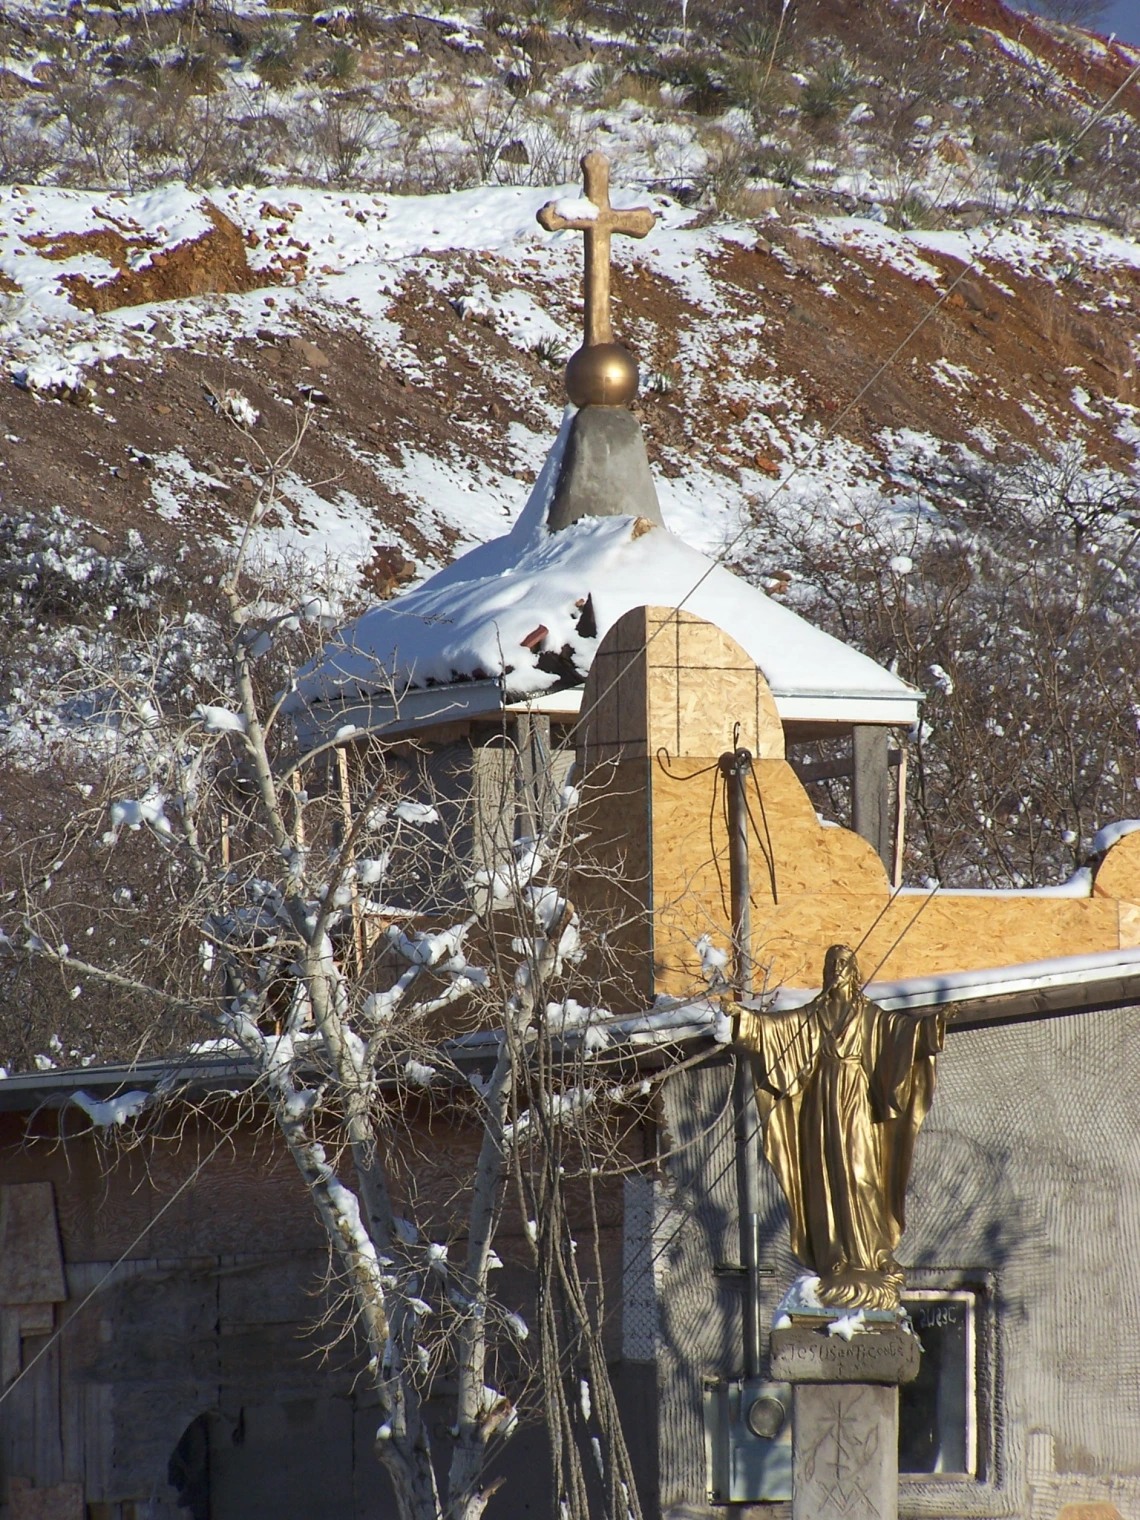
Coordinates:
726 173
26 150
345 131
1014 611
485 121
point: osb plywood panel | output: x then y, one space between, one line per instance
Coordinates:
666 680
792 860
670 687
613 701
1119 871
1129 915
701 685
789 851
951 934
813 886
970 933
611 889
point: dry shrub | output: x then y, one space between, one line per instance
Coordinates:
1014 611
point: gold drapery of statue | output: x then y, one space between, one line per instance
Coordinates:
842 1087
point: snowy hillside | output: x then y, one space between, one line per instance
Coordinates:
426 335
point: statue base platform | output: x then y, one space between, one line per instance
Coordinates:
803 1353
845 1416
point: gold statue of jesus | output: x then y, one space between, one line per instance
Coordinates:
842 1087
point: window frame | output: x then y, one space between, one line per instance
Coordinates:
969 1296
985 1494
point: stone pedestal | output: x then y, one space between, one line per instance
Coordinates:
845 1418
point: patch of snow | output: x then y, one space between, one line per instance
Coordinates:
955 377
416 812
105 1113
848 1324
132 813
219 720
1112 833
803 1295
857 234
713 960
576 209
52 377
1083 403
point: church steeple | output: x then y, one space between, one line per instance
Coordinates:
605 469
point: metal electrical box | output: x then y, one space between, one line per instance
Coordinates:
748 1440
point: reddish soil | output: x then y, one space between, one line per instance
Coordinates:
1028 344
216 261
1101 76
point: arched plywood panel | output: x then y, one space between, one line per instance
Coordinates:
1118 874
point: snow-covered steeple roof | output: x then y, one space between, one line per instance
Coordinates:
525 613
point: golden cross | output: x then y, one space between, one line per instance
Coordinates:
599 226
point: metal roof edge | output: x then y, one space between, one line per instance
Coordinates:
1095 983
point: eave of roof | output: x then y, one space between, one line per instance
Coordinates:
1080 984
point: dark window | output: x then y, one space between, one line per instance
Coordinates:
938 1411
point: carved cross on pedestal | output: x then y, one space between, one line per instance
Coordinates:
599 227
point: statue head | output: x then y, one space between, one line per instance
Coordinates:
842 985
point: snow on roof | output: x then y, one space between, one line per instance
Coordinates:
480 618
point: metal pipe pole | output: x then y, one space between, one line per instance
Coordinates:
735 767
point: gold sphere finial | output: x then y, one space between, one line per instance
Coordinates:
602 374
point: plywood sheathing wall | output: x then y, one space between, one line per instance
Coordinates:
661 703
664 686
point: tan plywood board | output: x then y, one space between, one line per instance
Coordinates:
1119 872
613 701
830 887
1129 919
610 885
662 703
1097 1511
665 680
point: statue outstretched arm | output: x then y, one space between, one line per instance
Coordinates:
747 1027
